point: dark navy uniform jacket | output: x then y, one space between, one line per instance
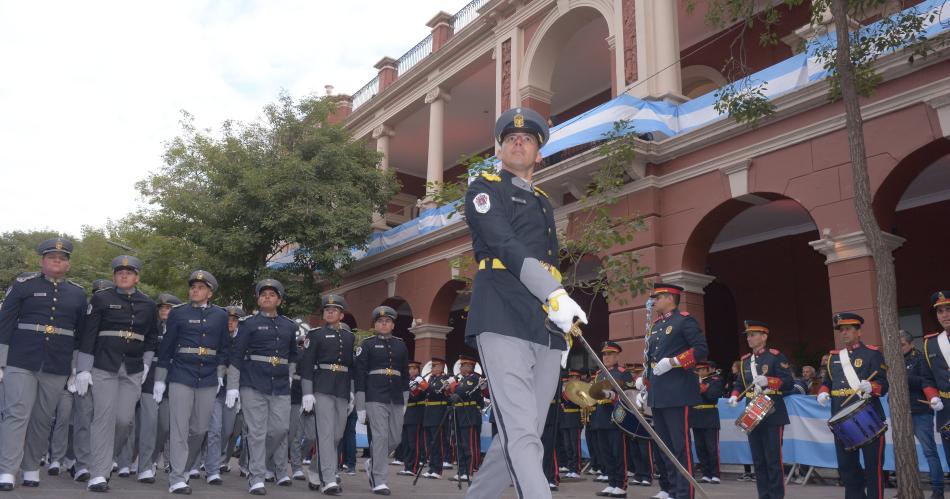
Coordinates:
772 364
865 359
706 414
376 353
468 408
436 399
37 299
600 418
190 326
415 408
675 334
296 391
330 347
149 383
940 376
570 417
262 336
920 381
113 310
513 232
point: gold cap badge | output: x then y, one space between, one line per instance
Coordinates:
125 262
59 245
519 121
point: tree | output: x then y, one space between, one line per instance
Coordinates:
850 61
290 182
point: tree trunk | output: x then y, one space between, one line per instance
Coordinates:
905 454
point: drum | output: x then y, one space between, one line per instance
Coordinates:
626 421
755 411
945 431
857 424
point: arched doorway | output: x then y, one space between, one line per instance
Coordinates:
450 307
403 321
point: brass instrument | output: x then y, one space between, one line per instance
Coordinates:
585 415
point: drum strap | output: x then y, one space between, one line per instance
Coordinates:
944 345
849 374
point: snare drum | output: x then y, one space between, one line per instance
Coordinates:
755 411
627 421
857 425
945 431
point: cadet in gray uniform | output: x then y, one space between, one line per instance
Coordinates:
153 416
515 242
325 381
300 438
118 341
222 416
193 358
262 359
39 320
382 388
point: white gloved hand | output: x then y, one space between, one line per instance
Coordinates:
610 395
306 403
83 382
361 417
761 380
1 374
936 404
157 391
641 400
231 397
664 366
823 398
419 379
220 385
71 384
864 387
733 401
640 385
562 309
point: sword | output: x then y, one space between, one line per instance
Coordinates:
577 333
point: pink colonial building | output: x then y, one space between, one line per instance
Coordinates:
754 222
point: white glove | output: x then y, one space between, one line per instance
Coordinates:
361 417
936 404
761 380
664 366
306 403
220 385
640 385
1 374
231 397
71 384
864 387
641 399
610 395
733 401
83 382
562 309
351 405
144 374
157 391
823 398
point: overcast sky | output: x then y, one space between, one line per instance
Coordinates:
90 91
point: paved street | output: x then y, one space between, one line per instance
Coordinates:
356 486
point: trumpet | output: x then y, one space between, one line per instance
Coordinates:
586 411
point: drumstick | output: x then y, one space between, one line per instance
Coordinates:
855 393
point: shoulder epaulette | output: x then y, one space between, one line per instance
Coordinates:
539 191
684 314
75 284
179 305
491 177
834 352
873 347
246 317
746 356
774 351
393 336
27 276
931 335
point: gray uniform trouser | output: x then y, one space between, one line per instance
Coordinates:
522 378
153 430
300 437
114 396
221 426
29 404
59 440
126 455
385 421
82 426
331 421
267 418
189 417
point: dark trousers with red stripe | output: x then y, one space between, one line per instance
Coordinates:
640 462
435 445
549 458
857 481
613 456
672 424
466 450
415 446
766 444
707 450
571 443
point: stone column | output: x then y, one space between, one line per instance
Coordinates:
430 340
658 50
436 100
692 299
382 134
852 278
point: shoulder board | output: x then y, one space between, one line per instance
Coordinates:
491 177
74 284
746 356
393 336
539 191
873 347
246 317
931 335
834 352
684 314
27 276
774 351
288 319
179 305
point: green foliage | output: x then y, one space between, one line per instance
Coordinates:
288 182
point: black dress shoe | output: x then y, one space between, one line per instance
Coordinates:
183 491
6 487
52 471
269 479
382 492
260 491
82 477
99 487
150 479
312 486
333 491
216 481
30 483
124 475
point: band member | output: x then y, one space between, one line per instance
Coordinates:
117 345
262 359
610 441
41 315
640 458
515 290
765 371
466 401
381 380
676 343
849 372
937 355
325 381
569 429
192 357
222 416
921 384
413 437
704 421
434 420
